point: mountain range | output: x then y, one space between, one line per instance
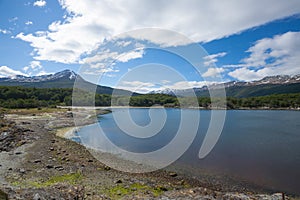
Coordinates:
62 79
279 84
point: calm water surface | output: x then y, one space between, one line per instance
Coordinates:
260 147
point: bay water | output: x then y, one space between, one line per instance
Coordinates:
261 147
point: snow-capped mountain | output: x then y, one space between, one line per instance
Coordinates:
34 79
63 79
279 79
267 85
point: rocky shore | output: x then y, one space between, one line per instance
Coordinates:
37 162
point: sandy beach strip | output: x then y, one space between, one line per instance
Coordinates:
66 132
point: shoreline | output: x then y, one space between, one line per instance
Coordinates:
66 132
160 107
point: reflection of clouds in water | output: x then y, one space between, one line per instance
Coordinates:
130 127
94 136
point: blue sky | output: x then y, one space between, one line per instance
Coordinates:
150 45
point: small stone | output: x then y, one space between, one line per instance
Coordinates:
162 188
119 192
18 153
51 149
147 192
59 168
21 142
22 171
90 160
37 161
172 174
118 181
49 166
191 191
181 182
10 169
107 168
36 197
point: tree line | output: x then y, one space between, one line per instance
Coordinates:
24 97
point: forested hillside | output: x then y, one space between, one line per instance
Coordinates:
24 97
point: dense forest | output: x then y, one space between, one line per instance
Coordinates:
22 97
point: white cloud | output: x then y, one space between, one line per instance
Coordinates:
29 23
212 59
34 68
41 73
8 72
13 19
40 3
213 72
101 71
138 83
123 43
100 57
89 23
165 81
103 61
34 65
4 31
26 68
146 87
271 56
103 57
187 85
136 86
245 74
125 57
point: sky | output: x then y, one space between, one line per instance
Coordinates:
151 45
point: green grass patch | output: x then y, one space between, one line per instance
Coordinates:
29 111
121 190
72 179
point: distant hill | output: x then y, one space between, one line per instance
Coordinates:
63 79
266 86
